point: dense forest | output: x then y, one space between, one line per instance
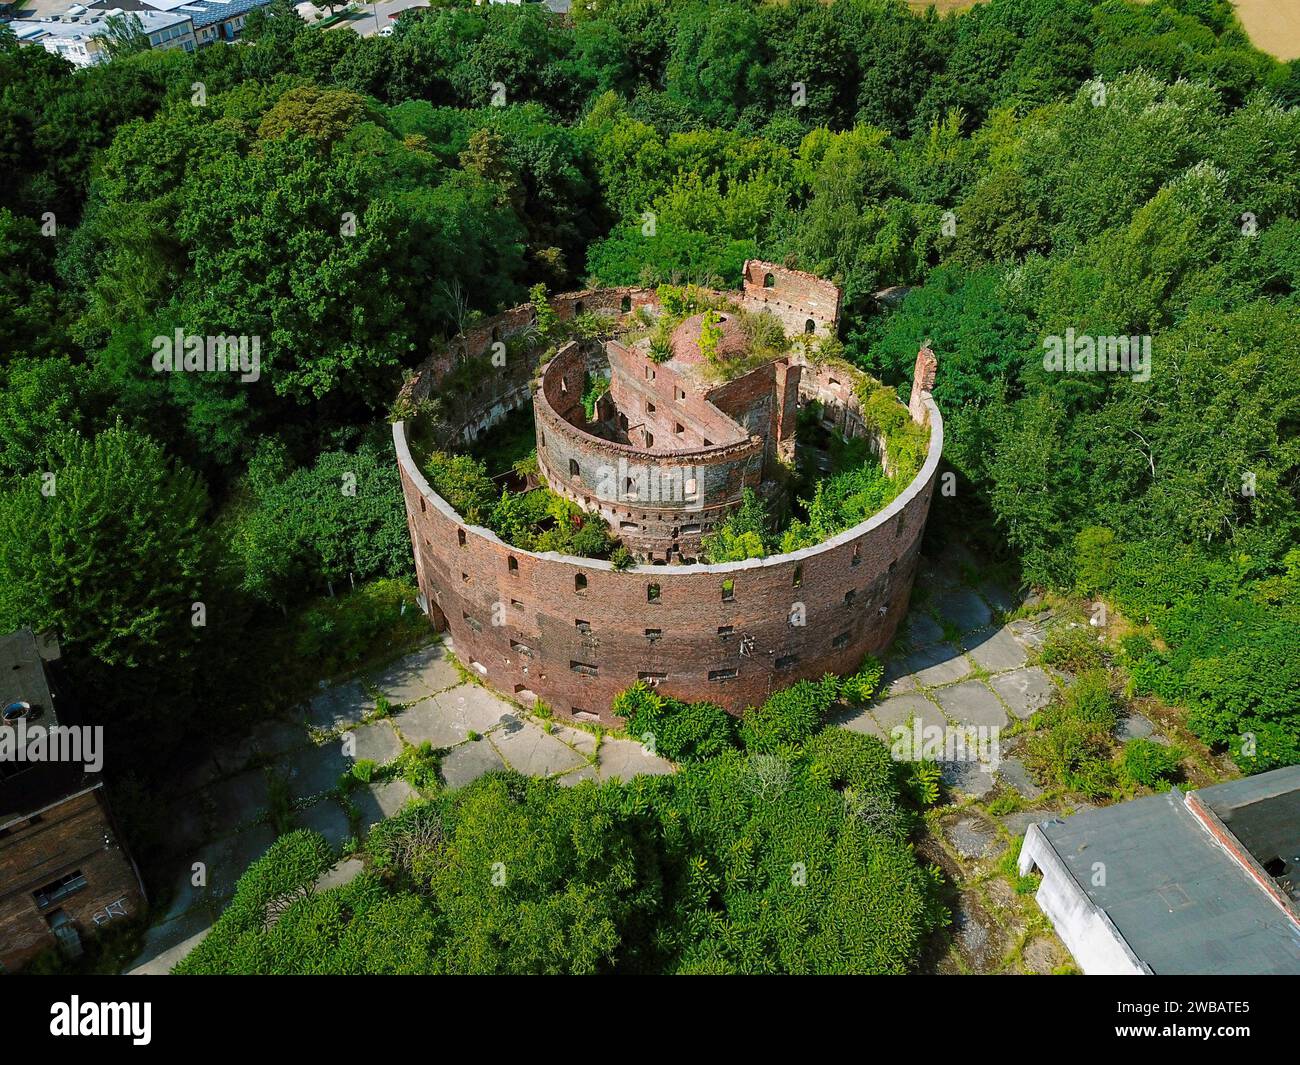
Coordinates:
1027 170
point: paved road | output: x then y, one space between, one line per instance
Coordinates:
372 17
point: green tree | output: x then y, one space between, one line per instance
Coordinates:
111 554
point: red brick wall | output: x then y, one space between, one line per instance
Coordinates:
74 835
658 520
796 298
517 624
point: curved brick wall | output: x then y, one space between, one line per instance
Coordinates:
576 632
672 495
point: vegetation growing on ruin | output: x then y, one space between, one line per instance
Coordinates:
828 501
535 519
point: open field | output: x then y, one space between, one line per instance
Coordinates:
1273 25
942 6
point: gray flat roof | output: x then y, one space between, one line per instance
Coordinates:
1176 896
26 787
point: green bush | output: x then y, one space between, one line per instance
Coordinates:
338 634
1072 648
790 716
1072 745
1090 701
1074 756
1151 764
862 685
844 759
1096 559
677 730
291 864
463 482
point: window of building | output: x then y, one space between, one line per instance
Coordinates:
723 674
856 560
57 890
787 661
810 326
578 307
798 576
573 468
586 669
652 679
649 439
580 583
842 640
582 626
649 407
652 593
728 590
849 596
725 631
460 537
473 623
512 564
521 649
769 281
653 634
626 304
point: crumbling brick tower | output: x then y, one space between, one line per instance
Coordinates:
664 459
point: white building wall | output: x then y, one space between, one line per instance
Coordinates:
1088 934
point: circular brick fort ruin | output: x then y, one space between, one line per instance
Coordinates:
664 460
